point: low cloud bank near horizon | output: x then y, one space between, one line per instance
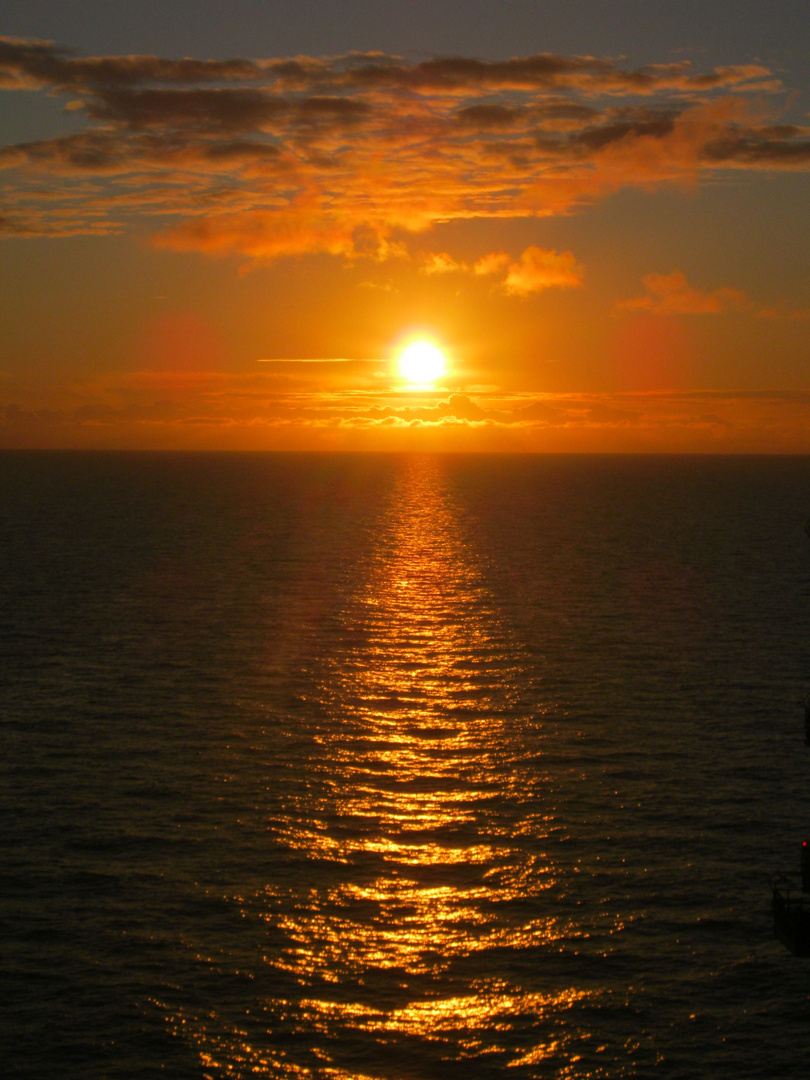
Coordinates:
273 409
265 158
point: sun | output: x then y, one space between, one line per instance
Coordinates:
421 362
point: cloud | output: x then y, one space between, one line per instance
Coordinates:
297 229
493 263
539 269
671 294
298 404
230 110
30 62
440 262
457 407
536 270
783 313
347 155
27 63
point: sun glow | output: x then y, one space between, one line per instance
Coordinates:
421 363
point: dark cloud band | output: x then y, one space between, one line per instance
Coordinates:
268 157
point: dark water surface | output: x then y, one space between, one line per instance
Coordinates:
393 767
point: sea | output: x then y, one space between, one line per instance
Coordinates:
401 767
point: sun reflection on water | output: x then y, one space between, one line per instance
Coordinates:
424 786
416 834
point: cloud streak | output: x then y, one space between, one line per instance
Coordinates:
349 155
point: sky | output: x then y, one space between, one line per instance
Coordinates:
221 223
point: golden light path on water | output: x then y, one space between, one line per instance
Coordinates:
421 825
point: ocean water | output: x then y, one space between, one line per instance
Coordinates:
401 767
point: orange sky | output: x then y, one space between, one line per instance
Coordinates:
611 252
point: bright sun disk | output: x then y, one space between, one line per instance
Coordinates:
421 363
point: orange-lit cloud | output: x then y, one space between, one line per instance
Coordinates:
440 262
784 313
299 227
536 270
493 263
671 294
348 155
539 269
